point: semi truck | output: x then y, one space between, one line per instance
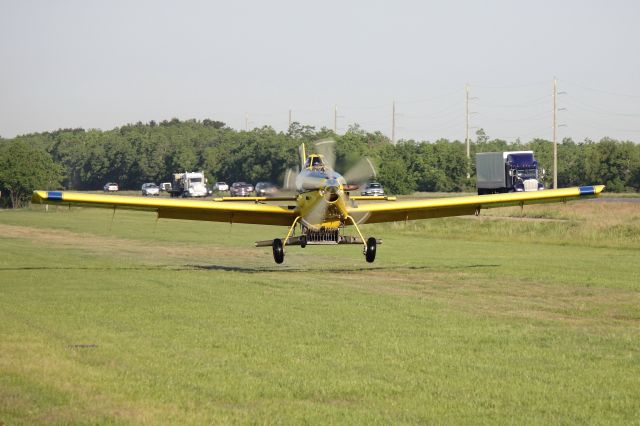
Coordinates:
189 184
509 171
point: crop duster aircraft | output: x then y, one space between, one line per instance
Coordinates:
323 208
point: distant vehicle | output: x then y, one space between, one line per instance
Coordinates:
189 184
165 186
220 186
373 189
111 187
150 189
509 171
265 189
241 189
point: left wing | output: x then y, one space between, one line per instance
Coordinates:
169 208
460 206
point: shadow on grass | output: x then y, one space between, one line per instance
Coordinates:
242 269
322 268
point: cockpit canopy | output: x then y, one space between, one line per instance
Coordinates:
314 162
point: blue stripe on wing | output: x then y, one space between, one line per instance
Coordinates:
587 190
54 195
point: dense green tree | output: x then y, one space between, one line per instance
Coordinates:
23 169
138 153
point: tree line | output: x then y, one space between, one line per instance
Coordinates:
133 154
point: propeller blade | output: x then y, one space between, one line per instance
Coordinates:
318 212
289 183
303 154
361 172
327 148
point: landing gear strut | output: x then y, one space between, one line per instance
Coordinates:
370 251
369 246
278 251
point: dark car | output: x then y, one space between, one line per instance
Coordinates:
373 189
241 189
265 189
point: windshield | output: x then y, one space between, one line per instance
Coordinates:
527 173
314 162
196 180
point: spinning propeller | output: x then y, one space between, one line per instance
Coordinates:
330 186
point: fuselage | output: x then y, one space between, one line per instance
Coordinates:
321 199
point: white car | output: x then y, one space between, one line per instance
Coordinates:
221 186
373 189
111 187
150 189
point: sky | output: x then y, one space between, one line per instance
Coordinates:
103 64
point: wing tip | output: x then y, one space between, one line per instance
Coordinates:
591 191
41 197
38 196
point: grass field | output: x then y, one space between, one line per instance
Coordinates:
526 316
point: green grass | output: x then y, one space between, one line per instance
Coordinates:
457 321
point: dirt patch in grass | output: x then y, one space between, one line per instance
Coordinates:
142 250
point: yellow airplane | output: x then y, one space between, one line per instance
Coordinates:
321 211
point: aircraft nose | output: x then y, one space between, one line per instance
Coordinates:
332 188
332 185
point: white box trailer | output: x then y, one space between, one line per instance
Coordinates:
508 171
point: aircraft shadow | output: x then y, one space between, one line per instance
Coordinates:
242 269
257 270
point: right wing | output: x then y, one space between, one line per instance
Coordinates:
169 208
461 206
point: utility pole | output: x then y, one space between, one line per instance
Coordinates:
393 122
246 121
335 119
555 131
289 118
466 107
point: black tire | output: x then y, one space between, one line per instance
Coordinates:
303 241
278 251
370 253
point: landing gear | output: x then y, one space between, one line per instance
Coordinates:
370 250
369 246
278 250
321 236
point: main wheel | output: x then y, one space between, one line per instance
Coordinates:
278 251
370 253
303 241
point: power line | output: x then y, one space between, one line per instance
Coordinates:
536 117
591 108
536 101
623 95
598 126
511 86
